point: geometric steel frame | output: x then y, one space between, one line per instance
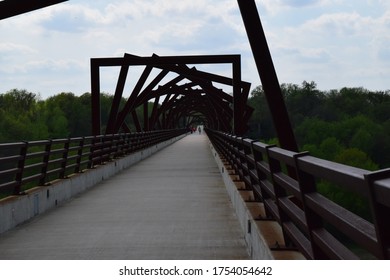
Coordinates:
262 57
241 112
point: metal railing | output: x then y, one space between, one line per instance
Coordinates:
27 164
285 182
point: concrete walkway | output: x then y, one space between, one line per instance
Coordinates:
172 205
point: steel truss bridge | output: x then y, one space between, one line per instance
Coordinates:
282 179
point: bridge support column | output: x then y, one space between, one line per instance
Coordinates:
269 79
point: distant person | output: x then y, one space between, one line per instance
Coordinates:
200 130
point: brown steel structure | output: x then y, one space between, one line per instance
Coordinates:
310 221
269 79
290 198
218 109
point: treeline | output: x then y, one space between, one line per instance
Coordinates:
349 126
25 116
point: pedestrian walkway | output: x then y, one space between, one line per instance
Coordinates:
172 205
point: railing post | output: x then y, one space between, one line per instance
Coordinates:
19 174
108 148
262 176
250 166
279 192
64 159
91 160
79 155
237 142
45 162
118 146
381 213
307 184
127 143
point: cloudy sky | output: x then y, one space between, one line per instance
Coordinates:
335 43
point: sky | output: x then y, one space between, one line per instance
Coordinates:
335 43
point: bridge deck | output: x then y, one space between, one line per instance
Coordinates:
172 205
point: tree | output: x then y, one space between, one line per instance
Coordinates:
72 110
21 117
57 122
18 100
302 101
357 158
261 124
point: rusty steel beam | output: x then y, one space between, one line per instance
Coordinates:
117 99
10 8
238 104
178 65
267 74
197 103
153 115
214 102
194 74
95 98
130 103
143 96
133 60
204 79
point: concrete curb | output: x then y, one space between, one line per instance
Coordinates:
15 210
257 246
260 235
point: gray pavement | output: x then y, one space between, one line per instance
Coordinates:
172 205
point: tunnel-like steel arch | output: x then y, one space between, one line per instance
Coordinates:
164 115
197 96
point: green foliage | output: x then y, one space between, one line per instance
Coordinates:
328 123
350 126
20 117
357 158
261 125
349 200
23 116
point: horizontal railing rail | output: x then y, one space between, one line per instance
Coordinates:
286 183
27 164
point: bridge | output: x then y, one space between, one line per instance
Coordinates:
218 195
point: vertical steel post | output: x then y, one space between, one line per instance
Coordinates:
380 213
267 74
237 100
19 173
95 98
79 155
64 162
146 116
45 162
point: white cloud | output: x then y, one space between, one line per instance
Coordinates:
274 7
345 45
15 48
319 39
